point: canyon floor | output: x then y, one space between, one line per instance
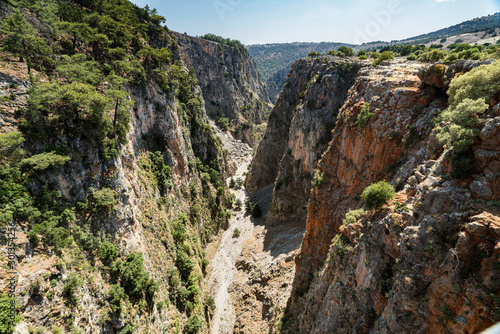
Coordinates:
251 272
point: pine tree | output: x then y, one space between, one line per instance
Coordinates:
21 38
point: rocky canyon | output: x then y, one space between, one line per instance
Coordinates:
153 187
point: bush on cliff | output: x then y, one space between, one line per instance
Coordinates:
377 194
462 124
314 54
352 216
386 55
481 82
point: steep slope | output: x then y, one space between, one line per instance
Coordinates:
115 199
304 115
230 85
425 262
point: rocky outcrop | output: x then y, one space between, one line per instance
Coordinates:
440 75
299 130
230 84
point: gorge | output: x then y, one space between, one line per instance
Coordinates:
180 200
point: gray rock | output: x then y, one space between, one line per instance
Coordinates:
481 190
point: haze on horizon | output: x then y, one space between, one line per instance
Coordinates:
281 21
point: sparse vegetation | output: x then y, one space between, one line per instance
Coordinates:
353 216
401 207
364 116
319 179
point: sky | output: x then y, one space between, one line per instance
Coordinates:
346 21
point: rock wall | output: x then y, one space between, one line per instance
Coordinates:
230 84
425 263
298 131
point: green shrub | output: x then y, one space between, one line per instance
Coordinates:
108 252
135 280
319 179
193 325
236 233
184 262
462 124
434 55
377 194
5 314
10 145
480 82
223 123
353 216
401 207
104 198
364 116
127 330
45 161
411 56
70 287
115 296
238 205
341 246
314 54
161 171
347 52
386 55
363 57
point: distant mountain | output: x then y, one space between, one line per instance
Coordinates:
274 58
489 22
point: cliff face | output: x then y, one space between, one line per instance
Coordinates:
163 195
230 85
424 263
140 221
298 131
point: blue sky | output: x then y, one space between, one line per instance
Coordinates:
348 21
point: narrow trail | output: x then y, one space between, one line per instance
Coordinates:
222 267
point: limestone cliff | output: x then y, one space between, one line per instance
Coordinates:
298 131
230 85
425 263
137 212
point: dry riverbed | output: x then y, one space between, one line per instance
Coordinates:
251 272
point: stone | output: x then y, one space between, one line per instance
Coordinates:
481 190
477 229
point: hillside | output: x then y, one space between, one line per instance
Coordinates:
145 187
485 23
112 173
